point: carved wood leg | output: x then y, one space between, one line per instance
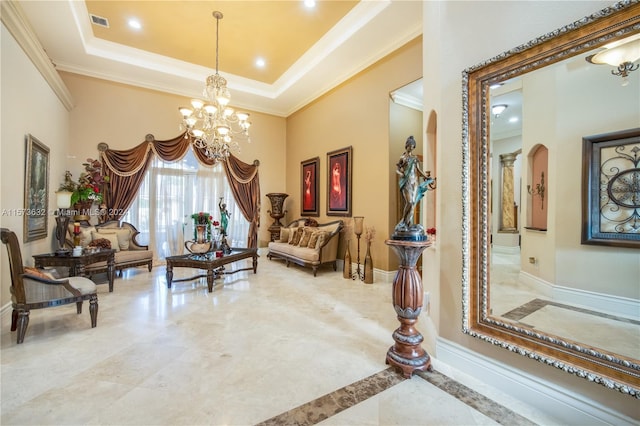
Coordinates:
111 266
255 264
210 278
169 275
315 270
14 320
335 265
79 307
23 322
150 265
93 310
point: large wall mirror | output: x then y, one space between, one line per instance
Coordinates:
530 283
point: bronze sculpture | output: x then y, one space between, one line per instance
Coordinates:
412 190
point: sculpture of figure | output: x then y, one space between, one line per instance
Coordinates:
224 216
337 200
307 204
408 167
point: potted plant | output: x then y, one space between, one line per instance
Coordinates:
89 187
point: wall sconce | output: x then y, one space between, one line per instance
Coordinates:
539 191
621 55
496 110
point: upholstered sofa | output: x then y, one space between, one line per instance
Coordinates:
122 237
307 243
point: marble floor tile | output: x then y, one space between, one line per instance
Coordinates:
277 347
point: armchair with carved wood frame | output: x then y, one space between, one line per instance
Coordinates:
31 290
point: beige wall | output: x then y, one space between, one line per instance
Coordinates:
355 114
122 115
29 106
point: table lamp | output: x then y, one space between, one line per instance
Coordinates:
63 201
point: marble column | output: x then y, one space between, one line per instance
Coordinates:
507 219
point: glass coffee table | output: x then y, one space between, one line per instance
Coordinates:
212 264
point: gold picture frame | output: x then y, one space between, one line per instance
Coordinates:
339 182
36 190
310 187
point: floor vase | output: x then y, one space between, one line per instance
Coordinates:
346 269
368 266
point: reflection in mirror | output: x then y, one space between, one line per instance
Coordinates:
533 287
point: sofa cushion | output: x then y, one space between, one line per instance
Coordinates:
38 273
322 237
123 257
123 235
85 234
313 240
296 237
303 253
284 235
306 235
113 239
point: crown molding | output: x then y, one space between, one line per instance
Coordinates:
18 25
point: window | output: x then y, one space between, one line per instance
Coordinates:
170 193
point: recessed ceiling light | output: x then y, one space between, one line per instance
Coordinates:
310 3
135 24
260 63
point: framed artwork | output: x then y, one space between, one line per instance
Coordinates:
36 190
310 187
339 182
610 193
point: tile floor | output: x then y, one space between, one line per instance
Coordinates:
278 347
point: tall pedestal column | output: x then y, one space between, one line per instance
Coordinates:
407 354
508 219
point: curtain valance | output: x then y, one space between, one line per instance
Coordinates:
126 170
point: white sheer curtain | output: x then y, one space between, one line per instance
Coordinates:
171 193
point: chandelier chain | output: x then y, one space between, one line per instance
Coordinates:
212 123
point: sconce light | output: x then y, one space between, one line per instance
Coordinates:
621 55
539 191
496 110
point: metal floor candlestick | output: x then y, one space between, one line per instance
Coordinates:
358 274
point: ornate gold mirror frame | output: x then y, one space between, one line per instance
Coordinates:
607 368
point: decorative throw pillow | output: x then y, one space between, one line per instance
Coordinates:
38 273
321 238
314 239
292 233
123 234
102 243
85 234
306 235
284 235
297 236
113 239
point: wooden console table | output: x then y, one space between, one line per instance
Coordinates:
77 264
212 264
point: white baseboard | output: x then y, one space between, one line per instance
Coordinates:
560 403
606 303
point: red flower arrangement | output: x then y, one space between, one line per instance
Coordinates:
431 231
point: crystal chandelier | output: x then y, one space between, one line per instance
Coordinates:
211 123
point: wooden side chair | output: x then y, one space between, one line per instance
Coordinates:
32 289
